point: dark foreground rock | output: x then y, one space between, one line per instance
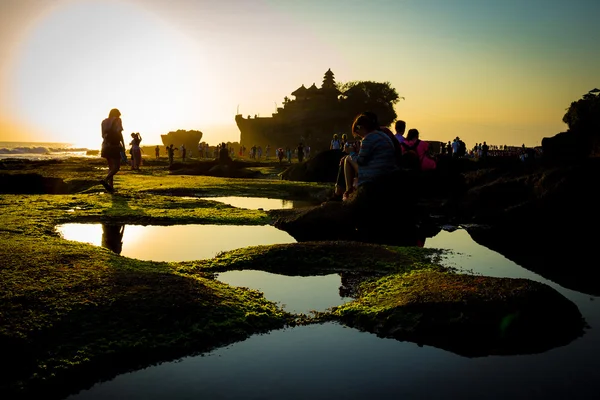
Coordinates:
233 169
323 167
26 183
538 214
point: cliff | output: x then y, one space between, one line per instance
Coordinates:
189 139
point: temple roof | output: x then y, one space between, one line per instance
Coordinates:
300 91
313 89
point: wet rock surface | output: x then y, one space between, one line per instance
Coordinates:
468 315
530 207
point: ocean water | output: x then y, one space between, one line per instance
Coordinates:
40 150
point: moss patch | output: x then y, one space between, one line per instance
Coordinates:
313 258
469 315
72 310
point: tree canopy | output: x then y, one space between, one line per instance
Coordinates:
378 97
583 115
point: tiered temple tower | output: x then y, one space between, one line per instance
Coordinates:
312 118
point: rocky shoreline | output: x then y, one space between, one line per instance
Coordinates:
73 313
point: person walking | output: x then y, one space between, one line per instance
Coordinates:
112 144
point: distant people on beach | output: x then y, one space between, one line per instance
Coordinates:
171 153
136 151
112 144
459 148
300 152
288 154
400 127
336 144
157 152
484 150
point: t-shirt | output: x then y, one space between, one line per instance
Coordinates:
335 144
377 156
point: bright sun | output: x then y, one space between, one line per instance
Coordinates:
86 58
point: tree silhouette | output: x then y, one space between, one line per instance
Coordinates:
378 97
583 115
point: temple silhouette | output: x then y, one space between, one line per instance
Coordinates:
312 118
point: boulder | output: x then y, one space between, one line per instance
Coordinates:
323 167
469 315
31 184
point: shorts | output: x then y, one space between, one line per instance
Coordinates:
111 151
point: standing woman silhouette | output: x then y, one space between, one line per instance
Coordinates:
112 144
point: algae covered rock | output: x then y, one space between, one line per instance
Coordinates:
468 315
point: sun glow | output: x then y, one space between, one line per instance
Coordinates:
88 57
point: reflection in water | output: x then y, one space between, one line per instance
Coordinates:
176 242
112 237
298 294
351 281
264 203
562 264
344 363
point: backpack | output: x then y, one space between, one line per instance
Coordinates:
410 157
109 134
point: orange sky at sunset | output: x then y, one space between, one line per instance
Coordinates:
503 72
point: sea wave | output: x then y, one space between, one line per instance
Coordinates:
40 150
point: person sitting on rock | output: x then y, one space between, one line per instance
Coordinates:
351 150
376 157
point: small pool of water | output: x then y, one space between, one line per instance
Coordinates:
175 242
264 203
330 361
298 294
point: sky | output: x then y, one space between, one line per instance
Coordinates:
503 72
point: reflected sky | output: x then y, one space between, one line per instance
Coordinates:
178 242
329 361
254 203
299 294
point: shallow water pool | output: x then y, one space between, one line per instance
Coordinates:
263 203
175 242
297 294
329 361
